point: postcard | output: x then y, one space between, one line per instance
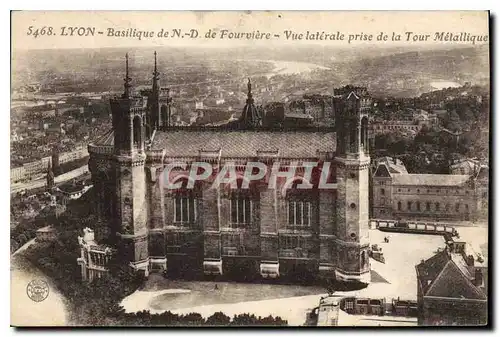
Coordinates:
253 168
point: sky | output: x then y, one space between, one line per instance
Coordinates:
348 23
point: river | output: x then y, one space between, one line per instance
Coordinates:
439 85
292 67
287 67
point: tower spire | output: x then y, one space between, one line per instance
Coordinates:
127 79
156 77
249 95
155 64
250 116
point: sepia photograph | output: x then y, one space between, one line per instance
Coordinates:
250 168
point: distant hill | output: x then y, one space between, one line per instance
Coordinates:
410 73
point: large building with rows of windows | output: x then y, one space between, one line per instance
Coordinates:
267 231
396 194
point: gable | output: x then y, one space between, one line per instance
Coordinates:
382 171
453 284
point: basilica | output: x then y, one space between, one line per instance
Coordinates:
271 231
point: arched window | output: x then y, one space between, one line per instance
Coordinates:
409 205
185 204
399 205
364 132
363 259
418 206
352 136
137 125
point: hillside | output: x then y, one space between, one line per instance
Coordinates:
409 74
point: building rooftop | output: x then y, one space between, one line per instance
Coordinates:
190 142
244 144
395 165
447 180
447 274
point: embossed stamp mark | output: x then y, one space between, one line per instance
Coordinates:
37 290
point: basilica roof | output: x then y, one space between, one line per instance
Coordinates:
187 142
244 144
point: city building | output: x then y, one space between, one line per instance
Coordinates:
31 169
270 231
94 259
465 166
17 174
452 287
71 191
397 194
391 126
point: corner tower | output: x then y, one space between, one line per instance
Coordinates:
130 221
352 106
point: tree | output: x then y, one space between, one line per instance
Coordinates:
22 239
218 319
453 122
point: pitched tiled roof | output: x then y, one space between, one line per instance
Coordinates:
430 179
382 171
394 165
447 275
429 269
453 283
243 144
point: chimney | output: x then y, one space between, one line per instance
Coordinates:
470 260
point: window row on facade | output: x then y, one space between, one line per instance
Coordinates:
431 206
241 211
443 191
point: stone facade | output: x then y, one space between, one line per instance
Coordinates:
397 194
267 231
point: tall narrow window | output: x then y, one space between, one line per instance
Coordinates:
364 132
382 191
409 205
427 206
299 213
418 206
137 126
185 209
399 205
352 137
241 211
438 206
457 207
363 259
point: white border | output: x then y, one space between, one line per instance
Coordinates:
201 5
